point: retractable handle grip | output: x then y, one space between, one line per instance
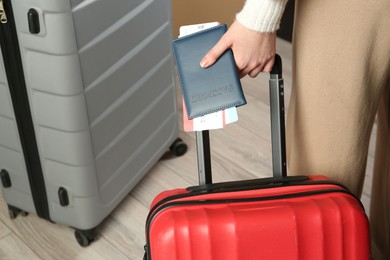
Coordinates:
277 68
278 132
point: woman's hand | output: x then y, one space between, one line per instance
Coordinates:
254 52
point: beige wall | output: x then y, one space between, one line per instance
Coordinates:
199 11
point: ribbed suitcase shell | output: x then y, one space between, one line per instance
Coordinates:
102 97
315 219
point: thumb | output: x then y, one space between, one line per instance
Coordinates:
212 56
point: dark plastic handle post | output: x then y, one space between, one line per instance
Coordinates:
276 88
204 157
277 67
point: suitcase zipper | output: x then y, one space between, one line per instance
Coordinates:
17 87
156 210
3 15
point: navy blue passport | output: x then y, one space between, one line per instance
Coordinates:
206 90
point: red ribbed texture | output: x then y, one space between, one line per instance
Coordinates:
327 226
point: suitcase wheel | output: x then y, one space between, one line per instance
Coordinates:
13 212
178 148
85 237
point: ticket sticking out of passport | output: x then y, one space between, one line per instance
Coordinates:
213 120
206 90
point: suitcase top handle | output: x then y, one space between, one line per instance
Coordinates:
279 164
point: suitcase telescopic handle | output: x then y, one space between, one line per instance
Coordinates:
279 165
278 130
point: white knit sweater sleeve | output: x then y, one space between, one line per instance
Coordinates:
262 15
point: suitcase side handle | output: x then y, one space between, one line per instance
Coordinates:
279 164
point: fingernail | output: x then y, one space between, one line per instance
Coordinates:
203 63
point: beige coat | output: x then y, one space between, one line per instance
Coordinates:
341 79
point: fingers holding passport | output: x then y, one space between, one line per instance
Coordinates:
254 52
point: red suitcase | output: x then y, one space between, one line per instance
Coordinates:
294 217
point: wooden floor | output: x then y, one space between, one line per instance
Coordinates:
242 150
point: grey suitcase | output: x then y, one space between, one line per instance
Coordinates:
87 105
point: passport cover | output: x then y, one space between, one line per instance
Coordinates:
206 90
